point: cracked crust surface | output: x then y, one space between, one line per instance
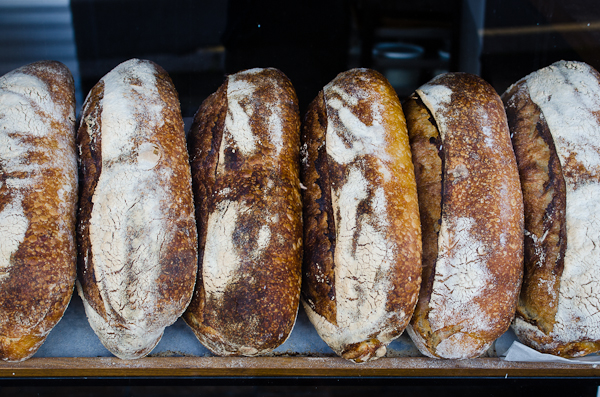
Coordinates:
136 227
244 149
38 197
361 271
471 210
553 118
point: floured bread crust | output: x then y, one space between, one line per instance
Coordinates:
362 268
471 213
38 198
554 119
244 149
136 228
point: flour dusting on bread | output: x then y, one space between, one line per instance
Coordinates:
348 137
361 291
25 111
13 226
578 315
237 122
129 227
461 276
221 259
568 95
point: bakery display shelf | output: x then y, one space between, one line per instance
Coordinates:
328 367
72 350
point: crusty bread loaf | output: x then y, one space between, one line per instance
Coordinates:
471 210
554 119
38 201
244 146
362 253
136 227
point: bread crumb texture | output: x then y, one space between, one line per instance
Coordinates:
138 236
38 194
568 97
376 239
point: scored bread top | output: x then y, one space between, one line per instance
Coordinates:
470 297
137 263
362 235
244 146
566 96
38 195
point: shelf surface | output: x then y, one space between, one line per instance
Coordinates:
287 367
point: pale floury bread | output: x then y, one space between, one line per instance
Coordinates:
554 118
244 146
362 256
136 227
38 201
471 210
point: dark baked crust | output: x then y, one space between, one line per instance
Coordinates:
425 144
257 310
173 283
318 278
90 168
36 288
544 197
203 149
365 96
481 205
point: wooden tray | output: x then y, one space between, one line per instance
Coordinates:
327 367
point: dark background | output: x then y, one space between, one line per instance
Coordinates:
199 41
348 387
311 41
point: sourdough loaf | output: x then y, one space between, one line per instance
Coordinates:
38 199
136 227
244 145
554 118
471 210
362 253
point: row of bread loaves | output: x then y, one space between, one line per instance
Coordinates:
134 241
398 223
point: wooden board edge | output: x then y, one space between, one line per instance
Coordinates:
286 367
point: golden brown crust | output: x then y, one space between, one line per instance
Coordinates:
36 285
248 203
362 234
478 265
155 160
